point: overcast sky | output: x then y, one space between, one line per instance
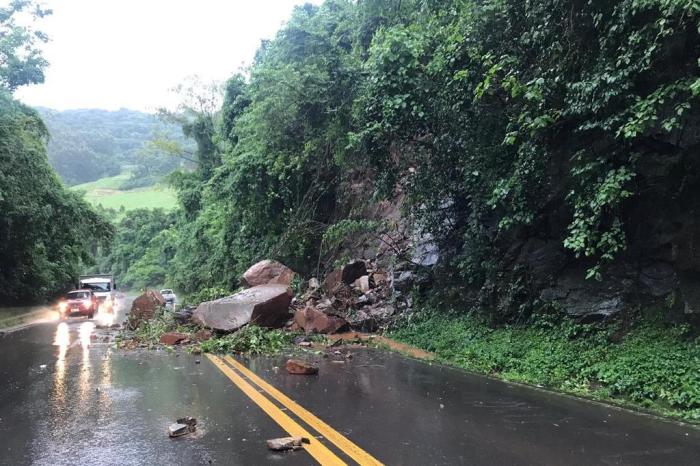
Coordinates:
129 53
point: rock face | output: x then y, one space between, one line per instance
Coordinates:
144 307
311 320
264 305
268 272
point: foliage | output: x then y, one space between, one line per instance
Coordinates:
656 365
528 120
149 331
141 250
341 231
21 62
206 294
46 232
251 339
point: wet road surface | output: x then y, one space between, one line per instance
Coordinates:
69 398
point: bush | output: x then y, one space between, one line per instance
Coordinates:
206 294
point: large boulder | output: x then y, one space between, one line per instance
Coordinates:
311 320
144 307
264 305
268 272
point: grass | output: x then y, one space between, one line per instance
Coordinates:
112 182
107 193
654 366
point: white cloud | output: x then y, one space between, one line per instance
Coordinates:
129 53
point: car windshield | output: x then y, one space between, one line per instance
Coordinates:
78 295
166 291
99 287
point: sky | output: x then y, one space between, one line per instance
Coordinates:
115 54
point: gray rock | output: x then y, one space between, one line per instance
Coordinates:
659 278
690 289
542 258
404 282
264 305
425 251
362 321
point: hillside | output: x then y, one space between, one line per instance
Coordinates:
89 144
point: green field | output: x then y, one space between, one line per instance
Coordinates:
106 192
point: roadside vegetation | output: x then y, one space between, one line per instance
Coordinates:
42 246
648 364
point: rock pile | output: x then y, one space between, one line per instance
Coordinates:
357 296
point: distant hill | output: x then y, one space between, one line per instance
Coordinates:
90 144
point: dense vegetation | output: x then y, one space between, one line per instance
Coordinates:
90 144
537 118
141 249
46 232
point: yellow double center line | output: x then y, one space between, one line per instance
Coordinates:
316 449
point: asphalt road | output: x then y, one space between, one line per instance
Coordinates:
69 398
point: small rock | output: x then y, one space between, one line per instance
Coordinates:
362 283
296 366
314 284
190 421
353 271
183 426
379 279
203 335
286 443
404 282
172 338
304 343
183 316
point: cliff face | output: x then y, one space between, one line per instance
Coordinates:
659 269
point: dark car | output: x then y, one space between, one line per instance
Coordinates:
78 301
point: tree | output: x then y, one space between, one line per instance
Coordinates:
21 61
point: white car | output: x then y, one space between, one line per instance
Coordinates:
168 295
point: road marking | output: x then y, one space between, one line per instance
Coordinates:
315 448
349 448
